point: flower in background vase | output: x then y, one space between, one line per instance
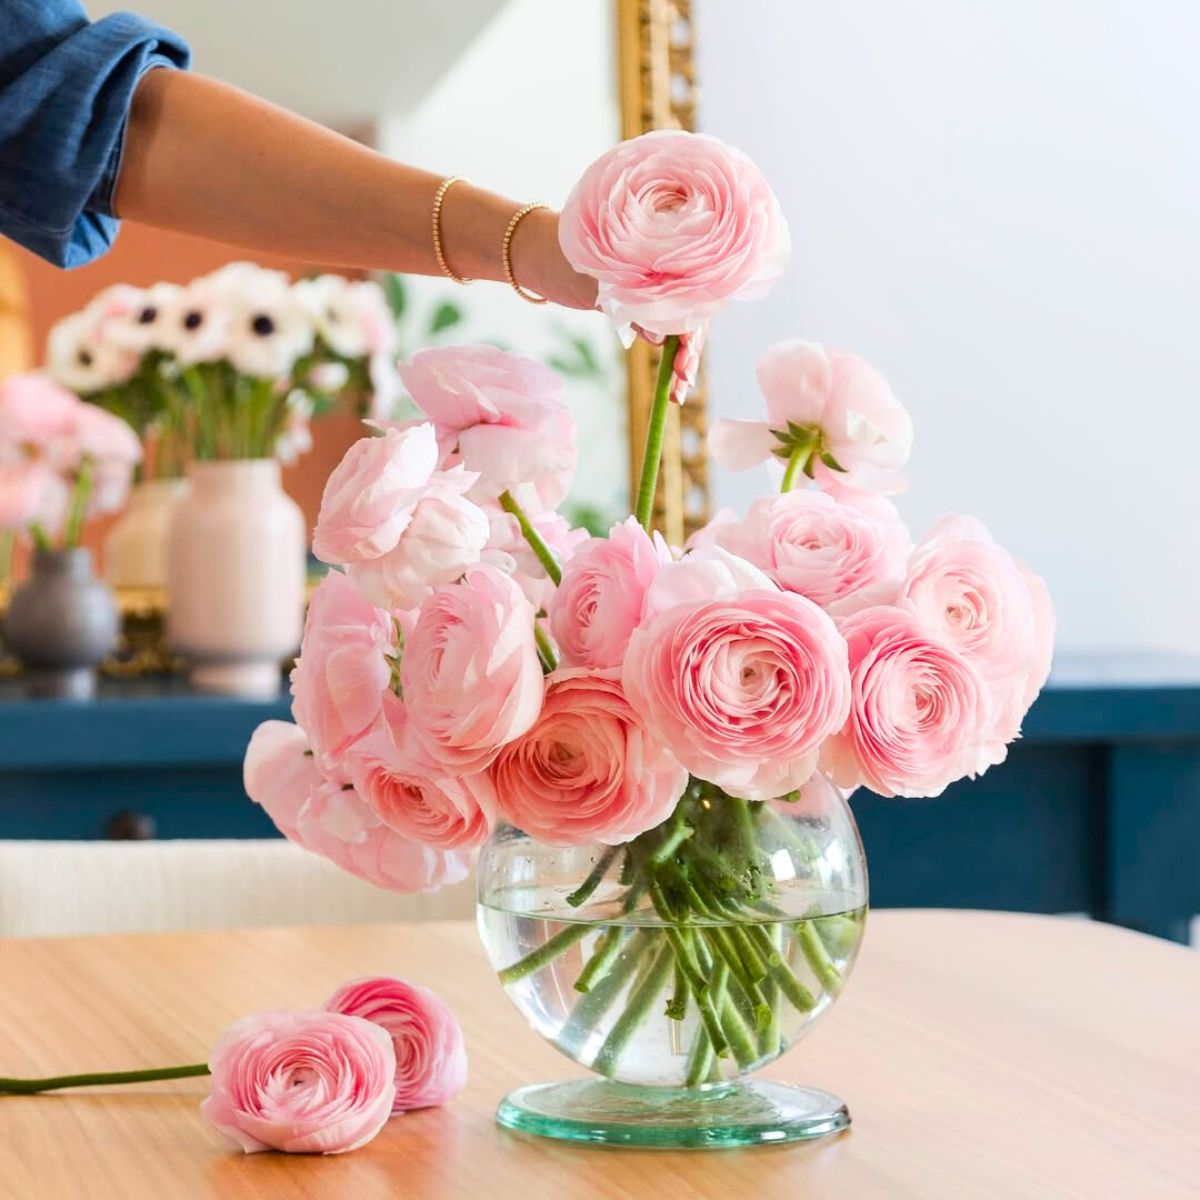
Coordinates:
830 413
835 554
602 597
31 494
198 327
295 438
303 1082
343 671
80 358
268 327
327 817
921 715
742 689
470 673
431 1053
507 549
499 415
351 317
37 420
113 449
136 319
588 770
673 225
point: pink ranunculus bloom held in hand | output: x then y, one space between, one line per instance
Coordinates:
673 225
589 770
844 400
921 715
431 1054
303 1082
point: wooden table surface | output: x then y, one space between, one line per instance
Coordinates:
982 1055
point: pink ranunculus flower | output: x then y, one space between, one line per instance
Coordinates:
369 499
499 415
470 672
431 1053
303 1082
329 818
38 418
743 689
921 715
112 448
343 673
31 493
836 555
673 225
589 770
709 572
508 549
835 398
446 534
602 597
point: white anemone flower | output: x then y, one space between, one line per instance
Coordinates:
139 319
269 329
352 318
82 359
197 329
295 438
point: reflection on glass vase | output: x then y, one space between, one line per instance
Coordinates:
235 576
674 966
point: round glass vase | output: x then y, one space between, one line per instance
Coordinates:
675 965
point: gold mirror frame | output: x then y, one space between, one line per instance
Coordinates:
656 61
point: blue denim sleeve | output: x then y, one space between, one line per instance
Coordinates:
66 85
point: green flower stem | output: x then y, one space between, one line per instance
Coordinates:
681 944
41 539
591 1007
78 510
681 993
701 1059
545 648
723 949
678 834
655 430
796 463
737 1032
592 882
560 943
544 554
25 1087
601 961
637 1007
769 1038
801 998
818 957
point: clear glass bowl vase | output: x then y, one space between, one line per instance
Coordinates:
674 966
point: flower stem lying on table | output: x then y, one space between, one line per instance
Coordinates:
25 1087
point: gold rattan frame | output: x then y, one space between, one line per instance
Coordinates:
656 60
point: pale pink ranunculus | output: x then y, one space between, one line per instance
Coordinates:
499 415
672 225
329 818
839 399
431 1053
39 418
369 499
32 493
742 689
470 674
921 715
602 597
445 534
508 549
316 1082
343 673
589 770
709 572
112 449
835 554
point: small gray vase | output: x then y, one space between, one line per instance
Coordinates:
61 623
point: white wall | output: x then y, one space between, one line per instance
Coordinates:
998 203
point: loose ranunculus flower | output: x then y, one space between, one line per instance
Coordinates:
742 689
838 410
303 1082
672 225
589 770
499 415
329 818
602 597
431 1054
470 672
836 555
343 672
507 549
921 715
369 499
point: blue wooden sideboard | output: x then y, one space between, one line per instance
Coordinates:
1097 809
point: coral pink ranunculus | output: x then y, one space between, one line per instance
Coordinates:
836 555
742 689
921 715
602 597
431 1054
673 225
589 770
343 672
369 499
499 415
470 672
303 1082
843 405
329 818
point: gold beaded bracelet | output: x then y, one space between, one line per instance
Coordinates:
506 252
438 200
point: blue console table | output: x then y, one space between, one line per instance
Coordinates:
1097 809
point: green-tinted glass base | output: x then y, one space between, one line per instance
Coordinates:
747 1113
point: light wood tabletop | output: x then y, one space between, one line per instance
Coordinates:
982 1055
